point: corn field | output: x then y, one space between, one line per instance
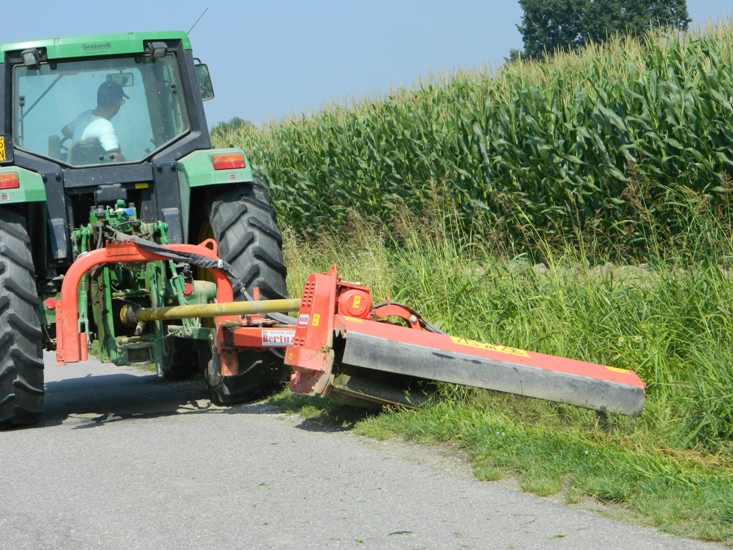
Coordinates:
594 143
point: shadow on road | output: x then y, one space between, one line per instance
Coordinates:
96 399
92 394
93 400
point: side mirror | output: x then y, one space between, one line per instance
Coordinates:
204 79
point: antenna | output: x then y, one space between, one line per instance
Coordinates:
197 20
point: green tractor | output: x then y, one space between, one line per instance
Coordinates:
103 138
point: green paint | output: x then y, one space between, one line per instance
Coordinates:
31 187
95 45
197 170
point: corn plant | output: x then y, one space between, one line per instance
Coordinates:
585 143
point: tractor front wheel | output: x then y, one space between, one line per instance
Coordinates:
21 357
180 360
259 374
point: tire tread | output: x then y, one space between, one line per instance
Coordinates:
21 359
245 227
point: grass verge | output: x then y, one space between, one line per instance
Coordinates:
669 319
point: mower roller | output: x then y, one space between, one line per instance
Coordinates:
338 332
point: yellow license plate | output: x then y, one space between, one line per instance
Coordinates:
2 148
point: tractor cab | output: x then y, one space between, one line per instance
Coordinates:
90 120
48 97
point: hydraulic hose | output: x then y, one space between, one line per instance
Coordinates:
204 263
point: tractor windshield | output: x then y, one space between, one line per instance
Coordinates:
138 100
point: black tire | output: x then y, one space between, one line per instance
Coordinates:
180 359
260 373
244 225
245 228
21 356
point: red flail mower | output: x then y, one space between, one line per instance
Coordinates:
341 344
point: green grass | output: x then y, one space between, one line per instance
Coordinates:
551 450
669 319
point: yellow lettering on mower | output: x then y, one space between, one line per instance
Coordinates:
489 347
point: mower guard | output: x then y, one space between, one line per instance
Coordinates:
382 346
460 361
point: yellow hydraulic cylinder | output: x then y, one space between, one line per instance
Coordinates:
213 310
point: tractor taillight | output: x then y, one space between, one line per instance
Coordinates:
9 181
228 161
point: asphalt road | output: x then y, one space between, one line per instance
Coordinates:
124 460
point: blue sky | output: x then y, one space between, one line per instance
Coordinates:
283 57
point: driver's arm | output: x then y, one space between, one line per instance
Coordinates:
108 139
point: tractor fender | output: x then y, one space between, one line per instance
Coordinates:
25 187
197 170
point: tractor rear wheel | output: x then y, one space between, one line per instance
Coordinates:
243 223
21 357
245 227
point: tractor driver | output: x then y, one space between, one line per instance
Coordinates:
95 124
